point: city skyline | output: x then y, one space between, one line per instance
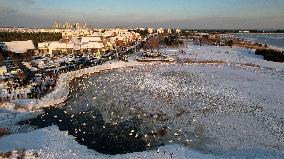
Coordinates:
208 14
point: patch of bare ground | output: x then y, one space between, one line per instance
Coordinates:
250 65
190 61
20 154
3 131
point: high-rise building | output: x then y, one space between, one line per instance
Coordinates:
77 26
67 25
56 25
85 25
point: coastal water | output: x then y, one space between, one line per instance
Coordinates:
274 40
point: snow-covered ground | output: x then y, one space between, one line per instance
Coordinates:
54 144
229 110
232 56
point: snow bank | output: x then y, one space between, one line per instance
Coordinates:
61 91
52 143
9 117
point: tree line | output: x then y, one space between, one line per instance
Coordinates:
35 37
143 33
172 40
271 55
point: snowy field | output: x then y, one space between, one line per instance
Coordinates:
232 56
225 110
52 143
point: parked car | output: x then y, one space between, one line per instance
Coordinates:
109 56
82 61
95 61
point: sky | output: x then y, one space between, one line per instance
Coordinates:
191 14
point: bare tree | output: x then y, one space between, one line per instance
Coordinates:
154 43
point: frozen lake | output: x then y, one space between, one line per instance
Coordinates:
231 109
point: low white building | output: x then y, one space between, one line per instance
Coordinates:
92 45
97 41
150 30
19 46
88 39
178 31
60 46
3 70
160 30
96 34
43 48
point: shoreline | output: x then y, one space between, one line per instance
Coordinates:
60 92
10 116
62 89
